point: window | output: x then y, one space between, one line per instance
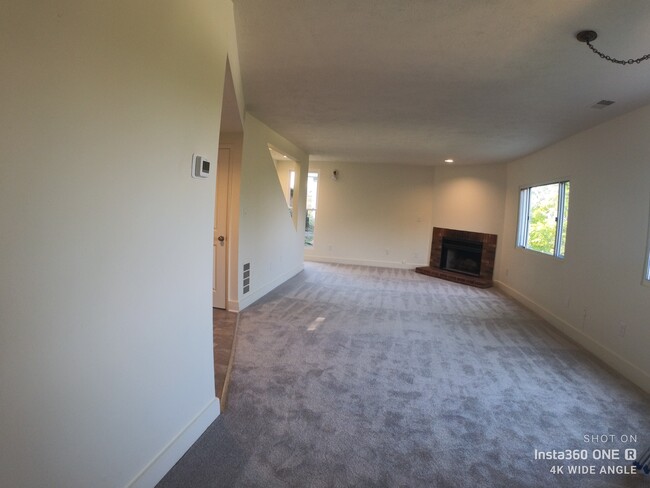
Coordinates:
292 185
543 217
312 193
288 171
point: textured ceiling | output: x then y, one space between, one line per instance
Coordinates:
419 81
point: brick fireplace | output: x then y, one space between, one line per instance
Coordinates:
462 256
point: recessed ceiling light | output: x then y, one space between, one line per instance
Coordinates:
449 161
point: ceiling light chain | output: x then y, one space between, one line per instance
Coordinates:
589 35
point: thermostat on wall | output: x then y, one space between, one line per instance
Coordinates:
200 167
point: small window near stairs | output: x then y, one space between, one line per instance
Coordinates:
312 197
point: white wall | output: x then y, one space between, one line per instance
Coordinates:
470 198
373 214
106 245
384 214
595 294
268 239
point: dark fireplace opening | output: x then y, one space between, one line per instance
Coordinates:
461 256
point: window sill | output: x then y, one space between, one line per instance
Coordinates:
539 253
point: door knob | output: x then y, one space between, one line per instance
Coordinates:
221 238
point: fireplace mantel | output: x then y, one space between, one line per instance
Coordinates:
488 254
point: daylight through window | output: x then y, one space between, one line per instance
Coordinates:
543 218
312 194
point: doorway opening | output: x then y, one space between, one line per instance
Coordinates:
225 238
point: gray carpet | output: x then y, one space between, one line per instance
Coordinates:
349 376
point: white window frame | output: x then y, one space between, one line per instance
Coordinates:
315 207
524 217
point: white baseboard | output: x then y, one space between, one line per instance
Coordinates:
258 293
174 450
635 374
233 306
363 262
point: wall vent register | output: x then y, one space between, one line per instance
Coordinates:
246 278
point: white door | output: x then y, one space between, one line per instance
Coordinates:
220 244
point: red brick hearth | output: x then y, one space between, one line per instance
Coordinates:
488 253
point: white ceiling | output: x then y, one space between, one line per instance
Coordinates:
419 81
